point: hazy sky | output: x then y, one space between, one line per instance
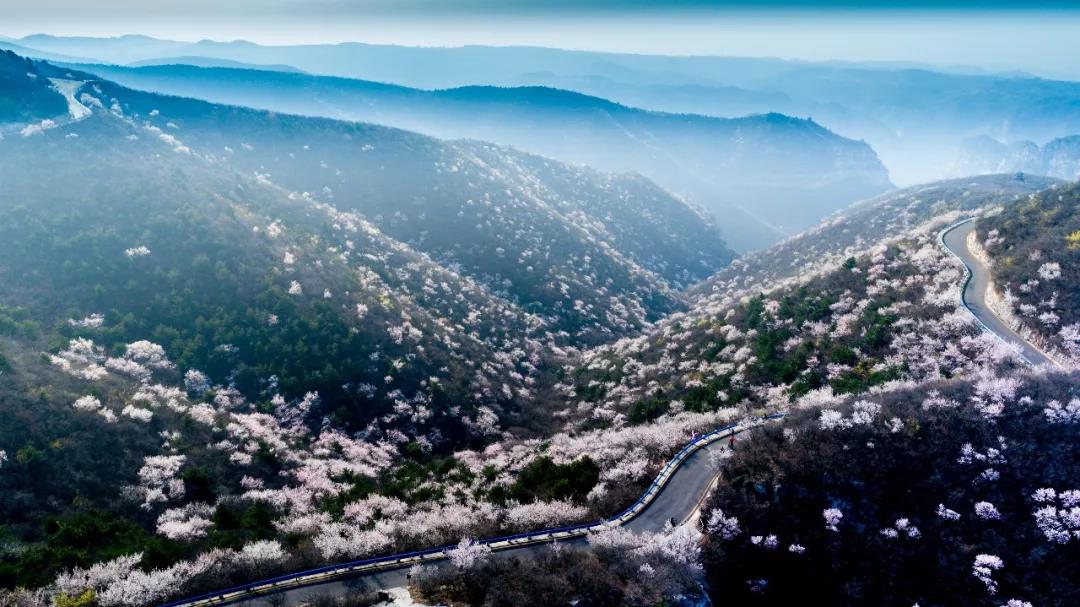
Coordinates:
1040 36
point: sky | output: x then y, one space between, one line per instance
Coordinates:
1039 36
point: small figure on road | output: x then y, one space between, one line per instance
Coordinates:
731 441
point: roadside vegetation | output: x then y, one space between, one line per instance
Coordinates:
1034 249
946 494
230 353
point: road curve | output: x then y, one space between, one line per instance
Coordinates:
675 494
954 239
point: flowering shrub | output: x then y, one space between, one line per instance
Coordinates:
891 317
854 230
618 569
261 355
1034 267
903 517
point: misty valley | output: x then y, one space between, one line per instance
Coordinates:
383 324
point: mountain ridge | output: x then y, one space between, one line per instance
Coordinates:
1059 157
717 163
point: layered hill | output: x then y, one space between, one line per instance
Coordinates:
718 163
866 301
235 343
487 211
134 240
283 253
200 368
916 116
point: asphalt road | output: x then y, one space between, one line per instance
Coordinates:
955 240
680 497
679 500
682 486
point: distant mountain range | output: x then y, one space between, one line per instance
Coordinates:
1056 158
746 171
915 116
443 67
10 45
212 62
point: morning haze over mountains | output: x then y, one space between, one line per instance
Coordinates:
713 130
356 325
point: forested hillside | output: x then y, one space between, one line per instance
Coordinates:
950 493
721 164
1034 251
855 229
235 279
488 212
235 344
277 380
890 314
28 96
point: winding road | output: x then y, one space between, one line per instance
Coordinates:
676 494
954 239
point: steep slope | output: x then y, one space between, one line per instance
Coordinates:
229 364
853 230
27 95
239 281
543 255
923 495
717 163
887 316
485 211
1033 249
868 299
136 275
